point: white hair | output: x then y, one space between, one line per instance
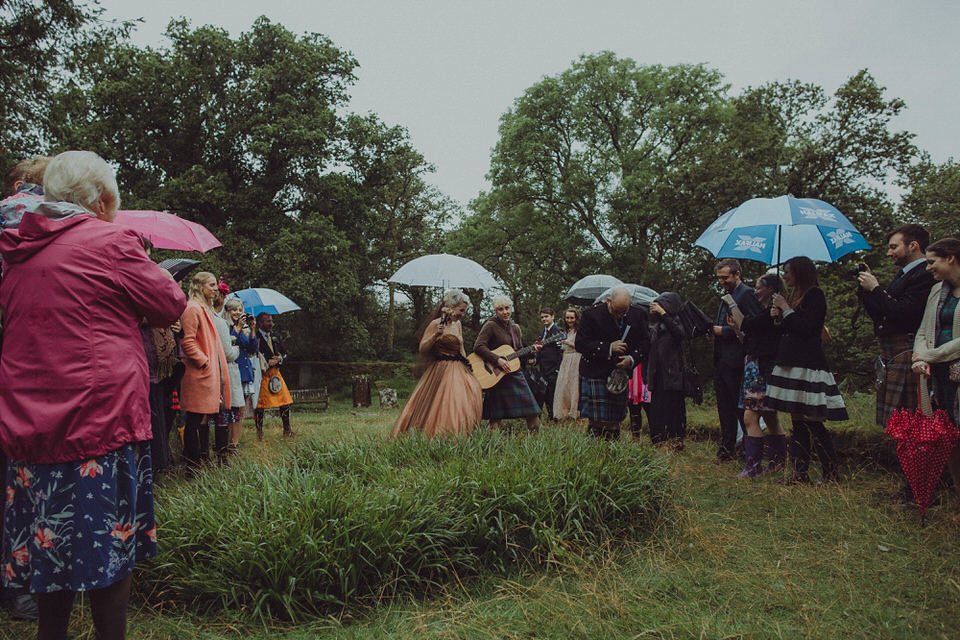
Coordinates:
80 177
453 298
501 300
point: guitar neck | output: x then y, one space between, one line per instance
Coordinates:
519 353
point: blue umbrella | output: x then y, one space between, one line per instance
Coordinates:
773 230
258 300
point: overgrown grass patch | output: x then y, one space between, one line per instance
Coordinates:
338 524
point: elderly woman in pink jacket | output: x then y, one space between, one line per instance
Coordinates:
205 387
74 409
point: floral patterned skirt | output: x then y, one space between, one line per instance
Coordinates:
81 525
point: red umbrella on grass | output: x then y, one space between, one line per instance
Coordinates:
924 440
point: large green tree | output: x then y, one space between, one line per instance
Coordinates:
247 136
932 196
587 153
617 168
37 38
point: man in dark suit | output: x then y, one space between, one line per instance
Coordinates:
896 311
728 355
549 357
612 335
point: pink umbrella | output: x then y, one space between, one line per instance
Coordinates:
168 231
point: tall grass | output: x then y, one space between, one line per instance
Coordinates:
336 524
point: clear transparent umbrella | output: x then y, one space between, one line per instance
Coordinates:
444 270
586 289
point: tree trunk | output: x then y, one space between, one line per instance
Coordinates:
391 310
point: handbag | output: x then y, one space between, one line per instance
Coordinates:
691 385
617 381
955 371
275 384
691 380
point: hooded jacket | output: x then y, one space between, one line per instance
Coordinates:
664 370
73 377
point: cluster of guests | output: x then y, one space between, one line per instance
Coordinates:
768 360
97 342
85 395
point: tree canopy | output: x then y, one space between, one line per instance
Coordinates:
248 137
608 167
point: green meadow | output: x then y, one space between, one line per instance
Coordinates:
340 533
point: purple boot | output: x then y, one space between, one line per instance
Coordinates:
753 446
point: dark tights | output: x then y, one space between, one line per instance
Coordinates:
196 439
108 607
822 442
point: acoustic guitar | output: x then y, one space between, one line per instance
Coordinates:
488 375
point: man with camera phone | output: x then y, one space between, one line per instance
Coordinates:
896 311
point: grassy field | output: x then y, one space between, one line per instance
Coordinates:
729 559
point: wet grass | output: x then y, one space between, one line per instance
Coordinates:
729 559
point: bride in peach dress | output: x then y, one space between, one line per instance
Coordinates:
448 399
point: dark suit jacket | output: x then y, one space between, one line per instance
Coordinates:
898 308
727 348
277 350
550 356
598 329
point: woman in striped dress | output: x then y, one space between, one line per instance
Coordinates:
801 383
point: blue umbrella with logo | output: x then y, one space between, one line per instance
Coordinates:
258 300
773 230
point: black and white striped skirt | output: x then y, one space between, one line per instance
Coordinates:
811 393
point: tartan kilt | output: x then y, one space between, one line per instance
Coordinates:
511 398
896 381
598 405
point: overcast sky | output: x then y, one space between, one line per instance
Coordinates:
447 70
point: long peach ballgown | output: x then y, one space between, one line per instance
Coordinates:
448 399
566 398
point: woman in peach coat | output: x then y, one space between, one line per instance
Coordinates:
205 387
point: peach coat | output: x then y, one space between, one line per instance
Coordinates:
205 380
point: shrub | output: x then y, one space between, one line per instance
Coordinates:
343 522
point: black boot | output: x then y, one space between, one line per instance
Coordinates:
800 452
285 418
823 443
776 453
258 420
221 438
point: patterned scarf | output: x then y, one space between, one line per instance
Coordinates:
166 347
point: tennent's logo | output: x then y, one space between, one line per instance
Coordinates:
840 237
755 244
817 214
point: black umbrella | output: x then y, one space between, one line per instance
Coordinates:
179 267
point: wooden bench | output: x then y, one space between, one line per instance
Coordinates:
311 397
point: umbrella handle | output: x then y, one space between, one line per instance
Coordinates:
923 395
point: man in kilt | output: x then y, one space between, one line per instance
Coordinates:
612 335
896 311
